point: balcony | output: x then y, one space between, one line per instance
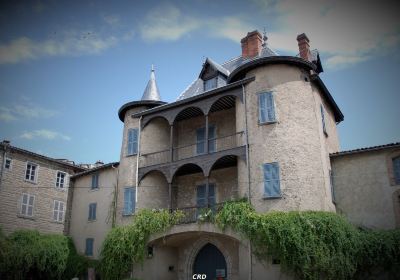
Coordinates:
198 214
214 145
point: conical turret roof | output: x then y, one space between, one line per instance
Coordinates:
151 92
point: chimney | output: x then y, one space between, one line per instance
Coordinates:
251 44
304 47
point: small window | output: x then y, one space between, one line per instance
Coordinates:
95 181
58 211
210 84
266 107
7 164
27 204
396 170
61 180
332 186
272 188
129 201
132 141
323 119
31 172
92 211
89 247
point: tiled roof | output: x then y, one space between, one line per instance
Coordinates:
226 68
366 149
103 166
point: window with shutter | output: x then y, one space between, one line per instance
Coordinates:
92 211
27 204
266 107
31 172
132 141
396 170
200 140
58 211
323 118
129 201
95 181
201 196
89 247
272 187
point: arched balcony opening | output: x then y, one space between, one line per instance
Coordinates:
153 191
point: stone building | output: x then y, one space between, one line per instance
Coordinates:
34 191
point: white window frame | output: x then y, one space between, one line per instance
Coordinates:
57 211
5 161
36 175
27 204
65 183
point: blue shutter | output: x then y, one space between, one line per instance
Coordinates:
270 107
396 170
323 118
129 201
271 180
200 135
262 108
95 181
133 141
89 247
94 210
211 194
90 212
212 142
201 196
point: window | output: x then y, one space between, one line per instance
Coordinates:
132 141
61 179
95 181
27 204
92 211
272 187
58 211
129 201
266 107
89 247
323 118
201 195
7 164
396 170
31 172
210 84
332 186
201 136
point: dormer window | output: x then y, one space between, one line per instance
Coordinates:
210 83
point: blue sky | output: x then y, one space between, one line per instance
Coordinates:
66 67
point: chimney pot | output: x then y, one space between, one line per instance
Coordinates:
304 47
251 44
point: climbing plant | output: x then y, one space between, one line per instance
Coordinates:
311 244
125 245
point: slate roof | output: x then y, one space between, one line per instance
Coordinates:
366 149
151 92
95 169
226 68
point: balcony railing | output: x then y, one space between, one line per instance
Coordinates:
187 151
198 214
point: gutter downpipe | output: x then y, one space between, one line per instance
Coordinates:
137 162
248 175
114 217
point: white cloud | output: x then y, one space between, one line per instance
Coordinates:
230 27
44 134
166 22
71 43
25 111
113 20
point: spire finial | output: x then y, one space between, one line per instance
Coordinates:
152 67
265 38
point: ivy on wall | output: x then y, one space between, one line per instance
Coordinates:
313 244
125 245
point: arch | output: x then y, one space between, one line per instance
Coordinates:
144 175
223 103
197 246
188 112
222 162
150 119
207 259
188 168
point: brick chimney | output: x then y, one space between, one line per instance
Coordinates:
251 44
304 47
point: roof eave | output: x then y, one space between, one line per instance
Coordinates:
134 104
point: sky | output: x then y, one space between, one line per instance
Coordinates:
66 67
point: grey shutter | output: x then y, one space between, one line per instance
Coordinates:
94 210
128 201
89 246
262 108
201 196
211 194
396 169
270 107
200 135
212 135
133 141
271 180
323 118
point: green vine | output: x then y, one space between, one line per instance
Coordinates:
314 245
125 245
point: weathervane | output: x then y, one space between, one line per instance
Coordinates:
265 38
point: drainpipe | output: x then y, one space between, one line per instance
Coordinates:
114 213
137 161
248 175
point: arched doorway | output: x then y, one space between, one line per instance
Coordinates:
210 261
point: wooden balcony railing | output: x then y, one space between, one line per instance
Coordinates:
196 149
